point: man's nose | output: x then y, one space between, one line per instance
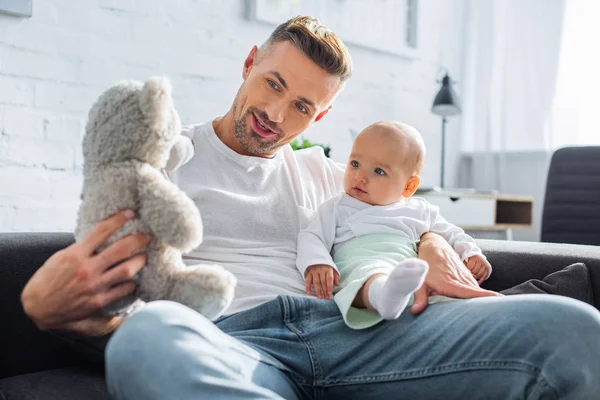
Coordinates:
276 111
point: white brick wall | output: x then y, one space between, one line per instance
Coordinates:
53 65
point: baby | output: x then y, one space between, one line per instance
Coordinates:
372 230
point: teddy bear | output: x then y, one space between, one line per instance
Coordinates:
131 137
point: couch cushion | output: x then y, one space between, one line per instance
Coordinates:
80 383
23 347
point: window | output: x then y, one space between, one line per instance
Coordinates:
20 8
388 26
577 99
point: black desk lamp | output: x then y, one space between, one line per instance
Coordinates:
445 104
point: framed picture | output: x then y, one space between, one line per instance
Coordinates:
388 26
19 8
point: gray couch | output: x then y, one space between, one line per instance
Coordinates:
41 365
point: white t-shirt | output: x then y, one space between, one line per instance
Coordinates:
253 209
343 218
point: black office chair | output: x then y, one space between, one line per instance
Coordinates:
571 211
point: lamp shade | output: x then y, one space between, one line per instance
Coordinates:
446 101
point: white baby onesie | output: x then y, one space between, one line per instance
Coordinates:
360 240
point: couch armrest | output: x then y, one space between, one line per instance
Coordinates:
23 347
517 262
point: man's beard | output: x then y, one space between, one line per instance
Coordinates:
251 141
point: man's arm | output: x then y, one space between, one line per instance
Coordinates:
336 173
447 275
71 288
325 177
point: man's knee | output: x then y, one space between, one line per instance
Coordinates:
146 337
576 325
541 326
558 315
568 330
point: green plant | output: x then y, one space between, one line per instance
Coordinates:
298 144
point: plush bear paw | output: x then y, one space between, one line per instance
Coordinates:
208 289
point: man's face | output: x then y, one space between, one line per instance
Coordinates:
283 93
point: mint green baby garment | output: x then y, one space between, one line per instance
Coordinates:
358 260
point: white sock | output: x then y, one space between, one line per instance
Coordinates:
389 295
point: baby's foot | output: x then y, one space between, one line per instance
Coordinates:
390 295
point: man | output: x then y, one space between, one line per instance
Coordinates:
255 194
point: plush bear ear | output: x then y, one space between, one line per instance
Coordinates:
155 102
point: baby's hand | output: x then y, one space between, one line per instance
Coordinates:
322 277
479 267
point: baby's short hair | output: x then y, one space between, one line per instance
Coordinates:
411 137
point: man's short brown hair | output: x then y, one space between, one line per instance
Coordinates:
317 42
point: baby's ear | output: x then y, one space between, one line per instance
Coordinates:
411 186
155 102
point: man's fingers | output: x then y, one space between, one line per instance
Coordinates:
100 234
116 293
461 291
124 271
336 278
308 283
465 277
421 301
121 250
93 326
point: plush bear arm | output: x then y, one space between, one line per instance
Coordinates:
181 152
172 216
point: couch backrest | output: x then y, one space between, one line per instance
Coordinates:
572 205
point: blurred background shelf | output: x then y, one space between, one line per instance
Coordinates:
490 216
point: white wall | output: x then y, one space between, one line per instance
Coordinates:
53 66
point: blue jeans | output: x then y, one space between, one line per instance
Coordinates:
524 346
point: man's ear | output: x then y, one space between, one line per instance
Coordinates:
411 186
249 62
322 114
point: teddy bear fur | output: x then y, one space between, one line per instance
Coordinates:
132 130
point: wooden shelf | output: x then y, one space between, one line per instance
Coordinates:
486 212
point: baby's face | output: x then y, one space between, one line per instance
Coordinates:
376 172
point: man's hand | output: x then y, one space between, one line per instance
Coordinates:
94 326
74 284
479 267
447 275
322 277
